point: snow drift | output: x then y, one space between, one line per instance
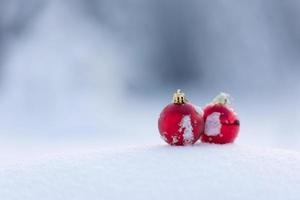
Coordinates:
157 172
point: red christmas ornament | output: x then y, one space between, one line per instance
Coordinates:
221 122
180 123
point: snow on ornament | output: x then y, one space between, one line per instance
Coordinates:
180 123
221 122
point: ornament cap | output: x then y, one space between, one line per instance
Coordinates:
179 97
222 98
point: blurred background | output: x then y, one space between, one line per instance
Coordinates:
100 71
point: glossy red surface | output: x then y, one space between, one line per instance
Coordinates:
170 121
230 124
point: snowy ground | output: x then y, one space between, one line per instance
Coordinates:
156 172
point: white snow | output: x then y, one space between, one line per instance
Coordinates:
186 126
213 124
199 110
157 172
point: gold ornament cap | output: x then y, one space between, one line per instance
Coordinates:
179 97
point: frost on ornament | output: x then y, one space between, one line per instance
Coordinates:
186 126
175 139
221 122
213 124
179 122
164 137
